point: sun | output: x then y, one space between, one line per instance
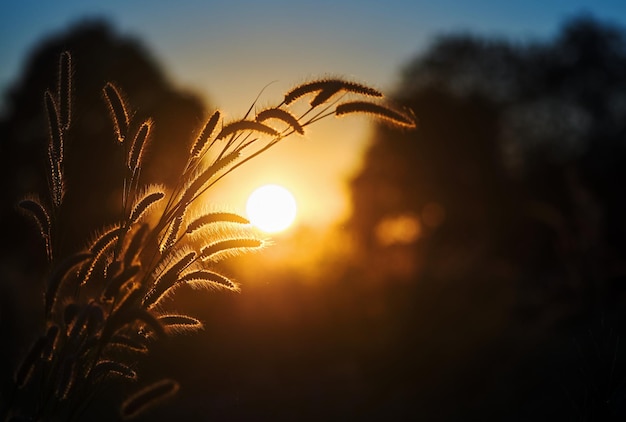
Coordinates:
271 208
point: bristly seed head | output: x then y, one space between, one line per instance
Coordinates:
205 135
37 210
245 125
208 279
215 217
151 196
167 277
331 86
171 234
135 155
280 114
148 397
118 110
65 90
180 323
54 126
218 248
382 112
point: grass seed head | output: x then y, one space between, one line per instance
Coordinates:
118 111
383 112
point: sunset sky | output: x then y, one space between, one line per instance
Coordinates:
227 52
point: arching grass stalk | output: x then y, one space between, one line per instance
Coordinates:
108 295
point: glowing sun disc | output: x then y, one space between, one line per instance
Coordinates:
272 208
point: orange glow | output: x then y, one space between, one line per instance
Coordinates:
321 190
400 229
271 208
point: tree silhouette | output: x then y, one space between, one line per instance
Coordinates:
531 134
511 192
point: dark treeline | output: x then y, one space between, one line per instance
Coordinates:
514 181
489 253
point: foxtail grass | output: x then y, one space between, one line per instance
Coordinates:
109 295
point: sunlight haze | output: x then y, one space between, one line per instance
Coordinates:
228 52
272 208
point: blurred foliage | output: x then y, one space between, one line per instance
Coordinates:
513 189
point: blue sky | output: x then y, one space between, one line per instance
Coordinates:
227 51
255 42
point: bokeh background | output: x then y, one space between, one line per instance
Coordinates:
471 269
